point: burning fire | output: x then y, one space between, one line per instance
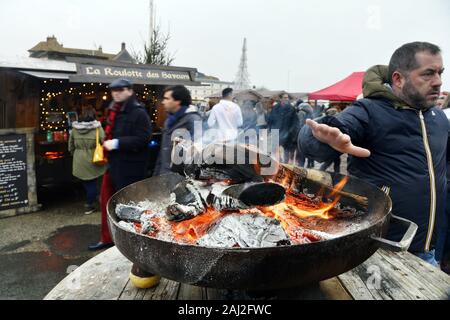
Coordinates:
303 207
289 213
299 206
190 231
54 155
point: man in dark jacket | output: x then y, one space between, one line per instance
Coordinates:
402 139
304 112
443 247
182 118
284 118
127 135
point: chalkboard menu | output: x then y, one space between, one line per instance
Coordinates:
13 172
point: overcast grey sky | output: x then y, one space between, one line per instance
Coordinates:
293 45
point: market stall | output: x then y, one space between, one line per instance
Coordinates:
342 93
49 95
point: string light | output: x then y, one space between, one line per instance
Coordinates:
148 96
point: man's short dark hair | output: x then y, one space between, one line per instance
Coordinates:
180 93
227 92
404 58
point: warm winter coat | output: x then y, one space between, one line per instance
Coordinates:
184 122
408 149
305 111
284 118
249 116
129 164
82 143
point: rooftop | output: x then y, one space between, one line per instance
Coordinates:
51 48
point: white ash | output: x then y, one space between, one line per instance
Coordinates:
245 231
202 188
322 235
182 211
302 235
158 211
200 193
158 208
128 226
227 203
222 202
147 224
129 212
204 196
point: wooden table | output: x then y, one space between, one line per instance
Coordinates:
385 276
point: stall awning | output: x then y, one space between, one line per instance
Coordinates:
96 71
346 90
47 75
84 70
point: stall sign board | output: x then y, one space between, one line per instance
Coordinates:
137 74
13 172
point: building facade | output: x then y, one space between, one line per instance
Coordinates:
209 86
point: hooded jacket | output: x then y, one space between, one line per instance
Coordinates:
408 154
82 143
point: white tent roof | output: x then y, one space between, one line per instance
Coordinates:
27 63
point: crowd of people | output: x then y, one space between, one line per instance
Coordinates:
395 137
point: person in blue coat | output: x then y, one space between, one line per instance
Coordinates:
396 138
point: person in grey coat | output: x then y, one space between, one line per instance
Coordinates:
182 117
304 112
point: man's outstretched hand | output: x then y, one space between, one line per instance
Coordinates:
336 139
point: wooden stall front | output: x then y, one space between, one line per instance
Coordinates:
48 96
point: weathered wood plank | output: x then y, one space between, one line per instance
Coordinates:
382 281
327 290
334 290
419 266
397 276
188 292
430 281
355 286
131 292
385 276
101 278
167 290
400 283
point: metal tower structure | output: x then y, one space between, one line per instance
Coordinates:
152 21
242 81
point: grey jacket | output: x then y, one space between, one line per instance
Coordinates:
187 122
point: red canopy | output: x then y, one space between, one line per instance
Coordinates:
346 90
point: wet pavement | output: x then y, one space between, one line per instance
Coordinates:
38 250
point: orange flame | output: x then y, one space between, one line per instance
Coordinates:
54 155
289 213
304 209
296 207
190 231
